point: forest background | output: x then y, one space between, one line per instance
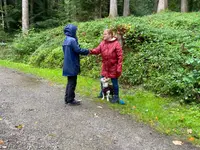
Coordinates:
161 44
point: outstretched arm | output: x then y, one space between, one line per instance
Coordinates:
79 50
97 50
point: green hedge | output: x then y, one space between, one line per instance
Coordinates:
161 51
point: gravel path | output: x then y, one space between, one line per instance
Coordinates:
33 116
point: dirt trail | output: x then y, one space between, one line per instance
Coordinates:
33 117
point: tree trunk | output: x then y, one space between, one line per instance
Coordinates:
2 17
113 9
6 14
126 11
162 5
184 5
25 17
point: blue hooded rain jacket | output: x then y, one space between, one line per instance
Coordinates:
71 50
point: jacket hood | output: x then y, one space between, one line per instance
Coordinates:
70 30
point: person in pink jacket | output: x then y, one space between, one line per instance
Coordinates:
112 57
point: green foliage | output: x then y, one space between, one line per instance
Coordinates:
38 57
163 114
156 54
194 5
3 36
54 59
144 7
5 50
52 13
174 5
49 23
25 46
161 51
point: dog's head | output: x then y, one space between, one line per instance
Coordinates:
104 82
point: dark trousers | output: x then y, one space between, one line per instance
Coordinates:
70 89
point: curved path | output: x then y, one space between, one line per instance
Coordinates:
33 117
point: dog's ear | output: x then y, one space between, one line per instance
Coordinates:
107 79
102 80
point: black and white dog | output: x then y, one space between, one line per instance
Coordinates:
107 89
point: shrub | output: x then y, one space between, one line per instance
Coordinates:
161 51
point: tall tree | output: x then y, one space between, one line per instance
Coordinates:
113 9
126 11
162 5
25 17
184 5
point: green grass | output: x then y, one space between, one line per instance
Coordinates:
165 115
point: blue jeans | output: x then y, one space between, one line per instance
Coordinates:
115 86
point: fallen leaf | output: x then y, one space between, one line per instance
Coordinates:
177 142
1 142
99 107
53 135
134 107
189 131
95 115
20 126
1 119
191 139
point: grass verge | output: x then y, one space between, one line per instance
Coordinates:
163 114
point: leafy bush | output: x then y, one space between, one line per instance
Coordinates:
161 51
49 23
54 59
3 36
25 46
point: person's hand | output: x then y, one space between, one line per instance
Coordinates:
90 51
